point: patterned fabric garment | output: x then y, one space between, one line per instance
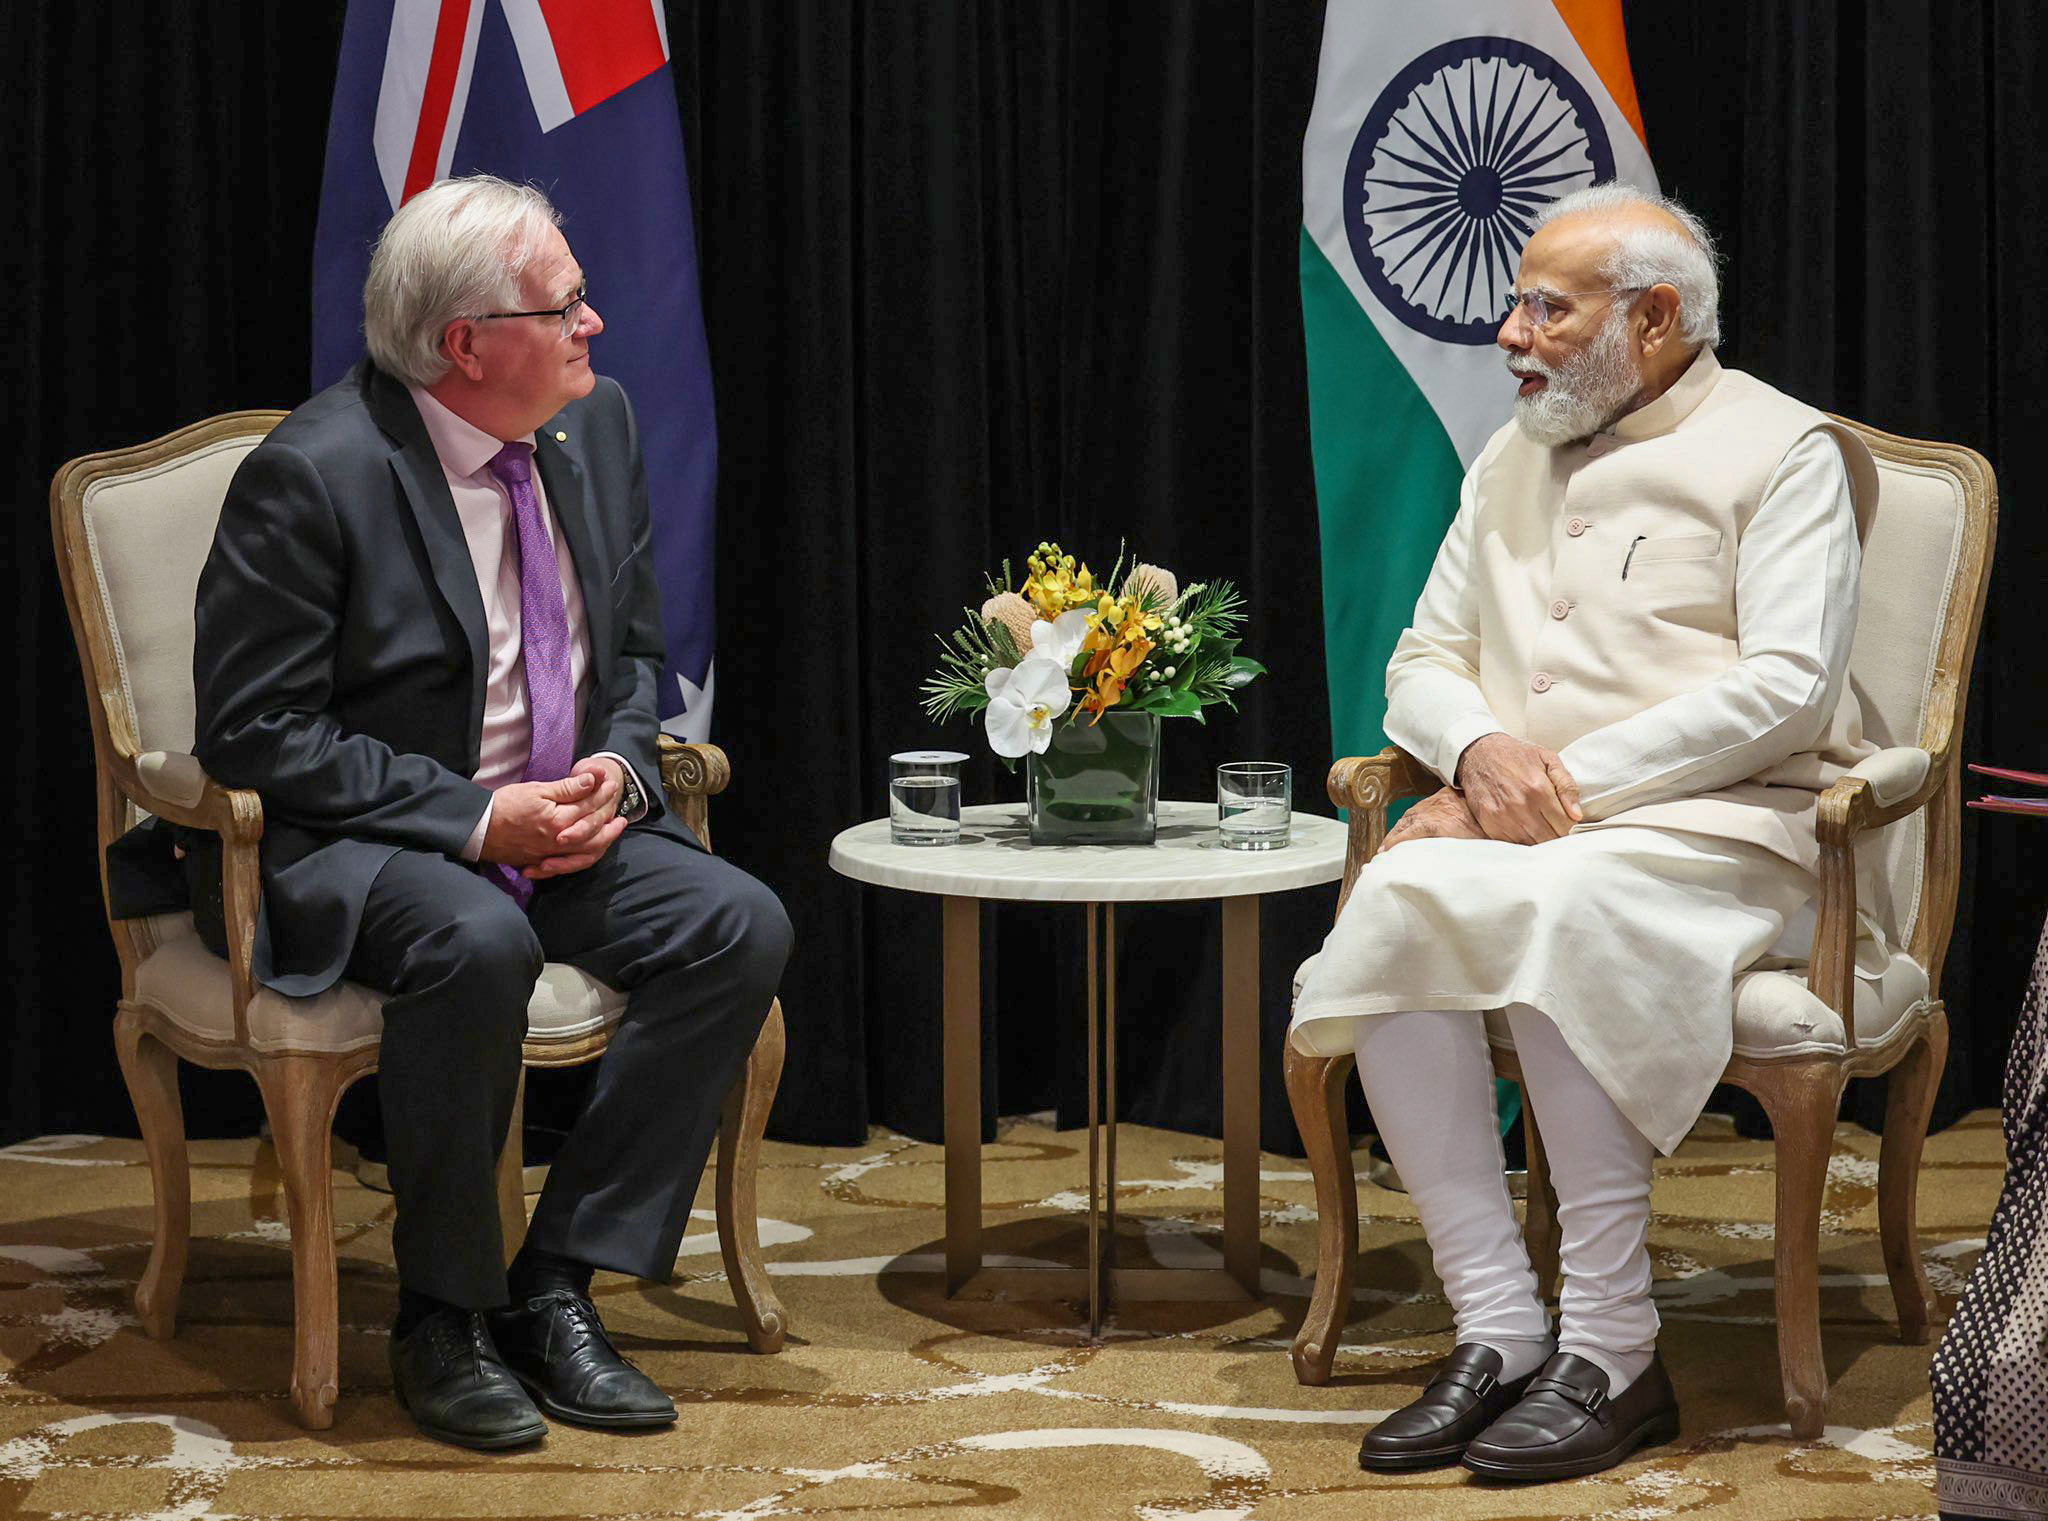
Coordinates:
1990 1375
544 642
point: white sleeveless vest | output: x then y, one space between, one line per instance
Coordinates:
1633 535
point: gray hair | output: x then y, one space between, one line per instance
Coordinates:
1646 256
455 250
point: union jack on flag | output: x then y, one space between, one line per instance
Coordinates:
574 96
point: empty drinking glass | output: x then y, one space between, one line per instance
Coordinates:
1253 802
924 797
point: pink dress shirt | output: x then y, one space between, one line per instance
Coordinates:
465 452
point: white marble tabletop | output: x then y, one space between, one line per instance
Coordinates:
996 859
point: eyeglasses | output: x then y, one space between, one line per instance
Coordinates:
1538 306
568 315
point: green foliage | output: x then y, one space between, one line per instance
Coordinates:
977 647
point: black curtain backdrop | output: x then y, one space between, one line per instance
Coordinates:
978 274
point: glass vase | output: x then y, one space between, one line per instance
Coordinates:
1096 784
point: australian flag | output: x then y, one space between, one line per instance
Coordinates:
573 96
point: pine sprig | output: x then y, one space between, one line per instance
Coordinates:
1214 608
977 647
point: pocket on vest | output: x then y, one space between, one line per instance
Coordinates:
1677 546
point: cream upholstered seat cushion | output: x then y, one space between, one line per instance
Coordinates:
186 983
1777 1016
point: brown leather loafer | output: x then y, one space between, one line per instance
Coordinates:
1462 1400
1566 1425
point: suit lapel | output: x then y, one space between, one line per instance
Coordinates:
569 498
425 486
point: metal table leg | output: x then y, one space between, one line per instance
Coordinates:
1241 1091
962 1040
1101 1111
1094 1128
1102 1281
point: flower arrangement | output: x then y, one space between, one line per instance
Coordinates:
1063 648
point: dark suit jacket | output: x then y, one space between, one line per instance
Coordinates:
339 656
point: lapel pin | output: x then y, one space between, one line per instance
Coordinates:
561 438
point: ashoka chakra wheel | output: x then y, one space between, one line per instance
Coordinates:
1461 150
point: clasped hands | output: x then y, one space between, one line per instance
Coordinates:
549 829
1506 789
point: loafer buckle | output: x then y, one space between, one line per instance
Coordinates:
1476 1380
1588 1397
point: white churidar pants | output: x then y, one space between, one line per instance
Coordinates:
1444 1138
1628 938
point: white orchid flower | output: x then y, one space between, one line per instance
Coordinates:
1060 640
1023 701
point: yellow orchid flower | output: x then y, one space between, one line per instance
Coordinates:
1122 618
1055 586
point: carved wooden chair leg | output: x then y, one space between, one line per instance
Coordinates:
1909 1101
1540 1230
740 1128
150 1069
1315 1091
512 1176
299 1094
1801 1102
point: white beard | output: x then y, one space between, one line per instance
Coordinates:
1583 395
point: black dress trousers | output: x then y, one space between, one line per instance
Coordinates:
695 944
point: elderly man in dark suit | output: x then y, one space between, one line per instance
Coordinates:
428 636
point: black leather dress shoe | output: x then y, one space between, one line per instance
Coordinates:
556 1346
1461 1401
448 1377
1566 1425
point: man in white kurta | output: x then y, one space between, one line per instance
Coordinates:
1629 666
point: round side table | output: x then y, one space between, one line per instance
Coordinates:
995 861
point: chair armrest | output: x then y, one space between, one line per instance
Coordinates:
1363 781
692 775
174 786
1880 789
1366 785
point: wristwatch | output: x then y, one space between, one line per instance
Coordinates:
632 801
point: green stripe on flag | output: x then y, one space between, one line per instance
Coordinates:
1387 484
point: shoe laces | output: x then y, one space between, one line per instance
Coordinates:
452 1335
582 1316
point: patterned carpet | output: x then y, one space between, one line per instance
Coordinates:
891 1400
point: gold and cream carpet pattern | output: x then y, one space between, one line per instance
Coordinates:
891 1400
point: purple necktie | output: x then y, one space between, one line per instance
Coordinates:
544 641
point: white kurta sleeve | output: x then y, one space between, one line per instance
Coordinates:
1796 573
1434 706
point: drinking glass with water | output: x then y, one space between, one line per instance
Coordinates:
1254 801
924 797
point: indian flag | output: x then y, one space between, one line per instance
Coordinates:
1439 131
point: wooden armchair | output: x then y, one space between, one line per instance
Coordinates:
1893 823
132 529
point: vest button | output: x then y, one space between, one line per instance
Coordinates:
1539 682
1575 527
1559 608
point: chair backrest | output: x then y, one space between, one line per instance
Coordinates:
1926 569
132 528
